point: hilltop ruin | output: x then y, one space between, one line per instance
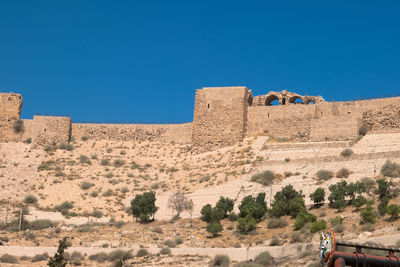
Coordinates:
222 116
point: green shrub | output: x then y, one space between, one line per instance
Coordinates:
41 224
209 214
64 207
165 251
264 259
30 199
318 226
143 206
337 195
265 178
382 206
324 175
40 257
339 228
97 213
7 258
255 207
67 147
302 218
369 184
214 228
99 257
287 202
108 193
336 220
84 159
363 130
142 252
359 201
368 215
120 255
343 173
170 243
18 126
383 190
178 240
393 210
119 163
105 162
225 205
246 224
86 185
277 223
221 260
318 196
274 241
346 152
390 169
296 237
233 217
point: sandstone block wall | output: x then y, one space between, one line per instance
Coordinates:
179 133
291 121
10 111
48 130
220 116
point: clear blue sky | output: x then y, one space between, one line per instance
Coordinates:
141 61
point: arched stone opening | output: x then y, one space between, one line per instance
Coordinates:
296 100
272 100
310 102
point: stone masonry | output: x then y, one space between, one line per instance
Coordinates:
222 116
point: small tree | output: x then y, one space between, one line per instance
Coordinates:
303 218
214 228
368 215
318 196
246 224
337 195
287 202
143 206
225 205
180 203
382 207
256 207
212 216
58 259
393 210
359 202
383 190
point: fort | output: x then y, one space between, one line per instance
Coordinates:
222 116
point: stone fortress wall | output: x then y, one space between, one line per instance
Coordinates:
222 116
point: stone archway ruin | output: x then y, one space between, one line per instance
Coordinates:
285 98
270 99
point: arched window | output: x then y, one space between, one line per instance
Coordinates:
272 100
296 99
310 102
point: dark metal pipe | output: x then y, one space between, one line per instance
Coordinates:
360 259
339 262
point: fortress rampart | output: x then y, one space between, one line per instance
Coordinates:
222 116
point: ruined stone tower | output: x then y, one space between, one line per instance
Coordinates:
220 116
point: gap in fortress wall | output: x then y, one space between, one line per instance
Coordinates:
222 116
